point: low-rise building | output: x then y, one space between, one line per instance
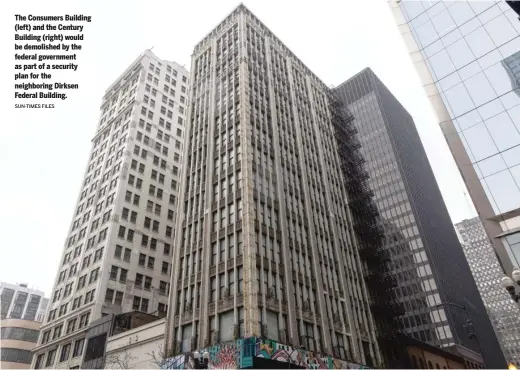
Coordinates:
18 338
22 310
138 348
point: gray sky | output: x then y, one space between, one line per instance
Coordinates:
44 152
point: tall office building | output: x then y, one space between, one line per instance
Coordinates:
265 246
486 270
117 255
466 53
21 302
411 205
22 312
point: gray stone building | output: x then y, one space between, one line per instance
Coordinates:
486 270
118 251
265 241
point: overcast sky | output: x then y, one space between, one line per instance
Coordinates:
43 153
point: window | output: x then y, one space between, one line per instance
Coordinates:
68 290
109 296
93 276
130 235
144 305
142 259
81 281
39 361
137 303
119 298
84 320
164 268
113 272
89 297
14 333
78 347
147 282
99 254
57 332
122 275
71 326
127 255
162 308
63 309
163 287
118 251
76 303
45 337
65 352
50 357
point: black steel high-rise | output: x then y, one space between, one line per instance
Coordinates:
435 284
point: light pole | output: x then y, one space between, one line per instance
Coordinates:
469 323
201 362
509 284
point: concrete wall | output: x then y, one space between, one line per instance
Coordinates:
134 349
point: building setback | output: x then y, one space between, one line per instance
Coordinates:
117 256
486 270
467 55
413 211
265 245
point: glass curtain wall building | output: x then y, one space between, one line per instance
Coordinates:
467 54
413 210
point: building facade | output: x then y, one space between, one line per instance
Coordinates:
426 256
486 270
467 54
140 347
117 255
22 311
18 338
18 301
265 246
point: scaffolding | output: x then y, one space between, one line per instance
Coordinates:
369 230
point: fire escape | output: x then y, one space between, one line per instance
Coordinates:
381 284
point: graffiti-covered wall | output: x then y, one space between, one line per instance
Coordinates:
240 354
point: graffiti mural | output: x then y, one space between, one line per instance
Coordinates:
240 353
272 350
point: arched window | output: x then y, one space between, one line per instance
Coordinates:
430 365
422 364
437 366
414 362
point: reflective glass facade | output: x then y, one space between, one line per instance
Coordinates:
487 273
472 50
468 57
425 252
